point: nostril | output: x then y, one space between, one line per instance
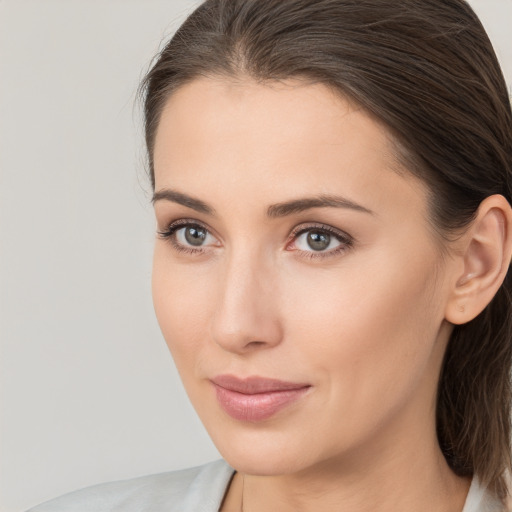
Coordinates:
257 343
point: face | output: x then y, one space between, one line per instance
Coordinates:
297 280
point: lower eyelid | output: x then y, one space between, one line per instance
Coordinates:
170 233
325 254
346 242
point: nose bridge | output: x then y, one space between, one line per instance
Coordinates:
247 313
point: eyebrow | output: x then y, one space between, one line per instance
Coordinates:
183 199
323 201
273 211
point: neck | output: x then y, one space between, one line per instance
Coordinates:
406 474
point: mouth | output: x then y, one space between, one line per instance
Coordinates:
255 398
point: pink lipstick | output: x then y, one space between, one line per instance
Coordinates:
255 398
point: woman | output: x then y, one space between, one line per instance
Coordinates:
331 187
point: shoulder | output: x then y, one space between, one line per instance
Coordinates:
481 499
196 489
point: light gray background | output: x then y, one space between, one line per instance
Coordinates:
88 390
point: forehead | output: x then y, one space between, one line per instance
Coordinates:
263 116
257 140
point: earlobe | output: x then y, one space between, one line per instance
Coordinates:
485 253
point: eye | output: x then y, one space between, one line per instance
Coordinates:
316 240
192 235
188 236
320 241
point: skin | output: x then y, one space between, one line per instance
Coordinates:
366 327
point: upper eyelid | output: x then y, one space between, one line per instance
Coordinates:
181 223
304 227
322 227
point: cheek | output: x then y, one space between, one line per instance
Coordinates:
368 335
183 301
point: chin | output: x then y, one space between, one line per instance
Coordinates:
256 450
263 463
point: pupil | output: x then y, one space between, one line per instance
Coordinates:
318 241
195 236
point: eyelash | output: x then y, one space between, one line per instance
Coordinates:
346 241
170 231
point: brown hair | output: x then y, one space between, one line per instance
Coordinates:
427 70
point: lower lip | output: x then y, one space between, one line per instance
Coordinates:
256 407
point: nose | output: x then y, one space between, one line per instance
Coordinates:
246 316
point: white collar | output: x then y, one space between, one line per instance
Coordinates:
480 500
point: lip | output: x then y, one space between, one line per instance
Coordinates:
255 398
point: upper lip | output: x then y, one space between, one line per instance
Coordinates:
254 384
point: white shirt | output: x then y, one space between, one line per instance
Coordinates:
199 489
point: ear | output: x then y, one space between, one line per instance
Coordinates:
484 258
